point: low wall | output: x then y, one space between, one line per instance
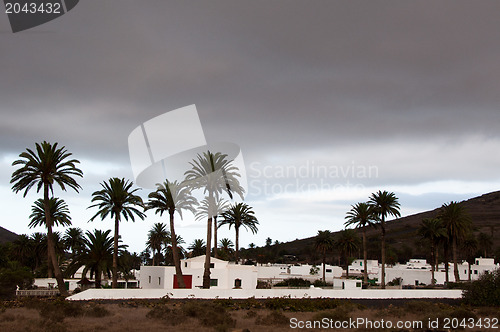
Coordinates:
267 293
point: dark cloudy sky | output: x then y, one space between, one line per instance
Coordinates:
410 89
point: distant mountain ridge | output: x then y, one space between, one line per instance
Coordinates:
7 236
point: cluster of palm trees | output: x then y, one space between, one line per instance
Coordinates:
362 215
452 226
210 172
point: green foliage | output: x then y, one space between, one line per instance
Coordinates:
294 282
485 291
13 275
321 283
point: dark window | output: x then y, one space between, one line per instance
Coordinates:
237 283
475 271
213 282
212 265
185 264
149 279
159 280
328 270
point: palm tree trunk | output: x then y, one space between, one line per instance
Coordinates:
347 265
97 278
433 250
237 244
382 223
446 267
324 266
470 270
50 244
114 283
365 255
216 255
50 271
455 260
175 252
206 273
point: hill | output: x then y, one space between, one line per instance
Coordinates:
402 239
6 235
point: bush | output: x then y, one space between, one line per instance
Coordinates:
294 282
274 318
485 291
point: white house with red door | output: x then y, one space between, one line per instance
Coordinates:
223 275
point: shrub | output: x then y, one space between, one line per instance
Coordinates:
164 313
294 282
485 291
274 318
337 314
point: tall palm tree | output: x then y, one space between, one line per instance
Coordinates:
156 238
197 247
216 175
458 224
362 216
469 246
347 243
433 230
171 197
22 251
59 215
97 255
238 215
384 204
117 199
212 207
42 168
324 244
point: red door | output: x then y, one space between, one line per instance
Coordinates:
188 281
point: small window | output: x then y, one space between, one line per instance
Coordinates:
475 271
328 270
237 283
214 282
212 265
358 284
185 264
465 271
159 280
149 279
360 263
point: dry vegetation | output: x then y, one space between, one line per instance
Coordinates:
212 315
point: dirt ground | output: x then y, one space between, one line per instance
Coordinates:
198 315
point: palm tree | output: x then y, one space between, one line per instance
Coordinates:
48 165
384 204
59 215
469 246
169 252
323 243
226 246
171 197
117 199
433 230
97 255
458 223
39 246
216 175
485 243
73 239
238 215
156 237
362 216
347 243
197 248
22 251
212 207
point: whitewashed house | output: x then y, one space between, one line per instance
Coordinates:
274 273
223 275
357 268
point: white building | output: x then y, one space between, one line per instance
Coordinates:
223 275
274 273
357 268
